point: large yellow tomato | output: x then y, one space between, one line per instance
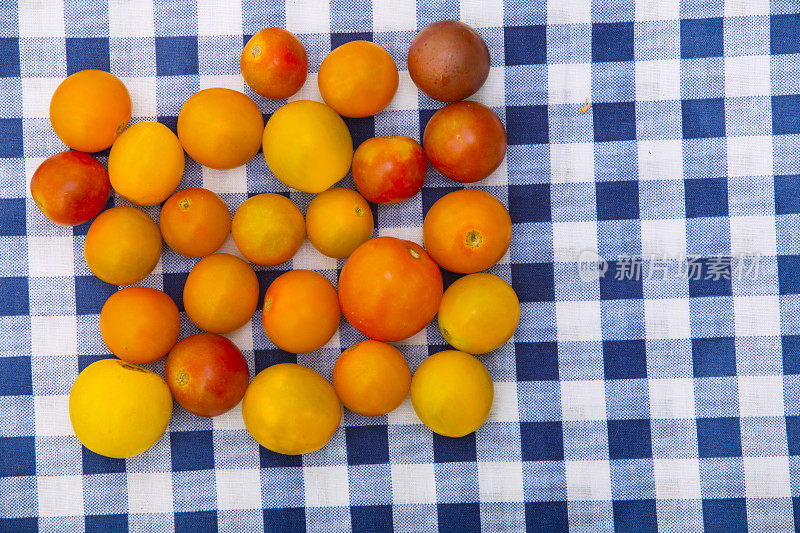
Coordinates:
146 163
220 128
268 229
338 221
307 146
118 409
478 313
452 393
291 409
123 245
89 110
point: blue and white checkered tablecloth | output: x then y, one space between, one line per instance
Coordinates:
634 402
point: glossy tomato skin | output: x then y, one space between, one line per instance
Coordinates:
70 187
207 374
465 141
390 289
274 63
388 170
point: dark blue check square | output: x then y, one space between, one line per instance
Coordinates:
454 450
173 286
367 445
424 117
192 450
23 452
9 51
106 523
724 515
546 517
13 220
527 124
713 278
706 197
525 45
784 34
701 38
714 357
787 194
170 122
533 282
338 39
459 517
22 380
197 521
267 358
15 296
789 274
11 134
703 118
176 56
719 437
629 439
529 203
19 525
94 463
621 281
269 459
625 359
368 519
430 195
793 434
612 41
265 279
617 200
785 118
537 361
790 348
361 129
87 53
635 516
542 441
91 294
282 520
615 121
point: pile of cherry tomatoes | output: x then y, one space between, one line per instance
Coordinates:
389 289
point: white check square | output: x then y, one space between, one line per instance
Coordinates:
326 486
579 321
767 477
60 495
51 256
500 482
219 18
663 238
747 76
588 480
672 398
52 415
667 318
130 19
572 162
650 10
413 483
661 159
308 16
658 80
756 316
750 156
559 12
569 83
36 96
753 235
572 238
389 15
760 396
677 479
583 400
54 335
238 489
505 407
738 8
150 492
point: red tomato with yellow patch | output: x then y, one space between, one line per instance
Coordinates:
390 289
207 374
388 170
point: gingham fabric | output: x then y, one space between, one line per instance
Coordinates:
627 403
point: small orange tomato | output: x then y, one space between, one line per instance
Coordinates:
467 231
389 289
478 313
220 128
388 170
338 221
146 163
122 246
301 311
358 79
268 229
139 324
70 187
207 374
371 378
89 110
221 293
274 63
195 222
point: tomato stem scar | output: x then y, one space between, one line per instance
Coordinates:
359 211
255 51
473 239
185 204
414 253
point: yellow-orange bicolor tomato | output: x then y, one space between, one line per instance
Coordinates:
268 229
146 163
338 221
195 222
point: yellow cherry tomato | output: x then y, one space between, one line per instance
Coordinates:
268 229
452 393
220 128
371 378
478 313
146 163
89 110
307 146
291 409
122 246
118 409
338 221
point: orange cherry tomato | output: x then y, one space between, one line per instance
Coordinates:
274 63
195 222
301 311
390 289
